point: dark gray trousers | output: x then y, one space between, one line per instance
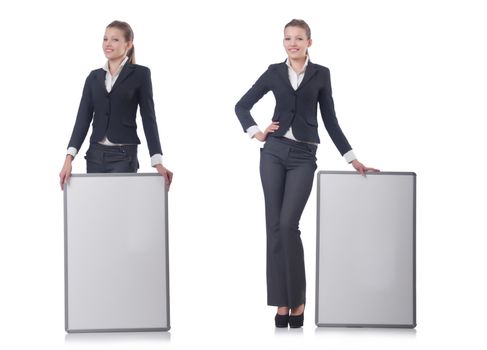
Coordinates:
287 170
111 159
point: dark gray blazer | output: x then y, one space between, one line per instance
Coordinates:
113 114
296 108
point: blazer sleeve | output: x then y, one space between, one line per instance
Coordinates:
256 92
147 112
327 108
84 116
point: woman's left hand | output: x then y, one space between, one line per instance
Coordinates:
166 173
362 169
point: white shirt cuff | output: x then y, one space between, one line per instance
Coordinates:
72 151
156 159
349 156
254 129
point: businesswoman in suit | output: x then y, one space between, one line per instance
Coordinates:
288 162
110 99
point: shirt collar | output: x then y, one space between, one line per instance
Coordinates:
305 63
105 67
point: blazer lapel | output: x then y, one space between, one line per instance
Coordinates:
282 71
311 70
127 70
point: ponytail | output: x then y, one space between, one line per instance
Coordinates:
131 55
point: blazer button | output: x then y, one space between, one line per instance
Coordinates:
106 113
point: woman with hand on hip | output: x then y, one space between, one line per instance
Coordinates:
111 97
288 162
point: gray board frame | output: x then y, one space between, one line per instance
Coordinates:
164 327
321 323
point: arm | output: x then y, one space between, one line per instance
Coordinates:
327 108
84 116
331 124
243 107
151 131
81 126
147 112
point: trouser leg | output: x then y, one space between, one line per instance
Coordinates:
273 178
299 182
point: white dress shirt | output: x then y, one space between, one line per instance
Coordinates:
295 79
109 82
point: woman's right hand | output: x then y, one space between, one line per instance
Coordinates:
262 136
65 173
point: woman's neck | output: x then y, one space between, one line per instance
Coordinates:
114 64
297 63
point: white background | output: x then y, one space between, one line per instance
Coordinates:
410 85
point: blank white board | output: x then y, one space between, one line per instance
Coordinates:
116 253
366 269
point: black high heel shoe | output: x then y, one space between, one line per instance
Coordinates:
296 321
281 321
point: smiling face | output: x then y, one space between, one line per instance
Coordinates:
296 42
114 44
